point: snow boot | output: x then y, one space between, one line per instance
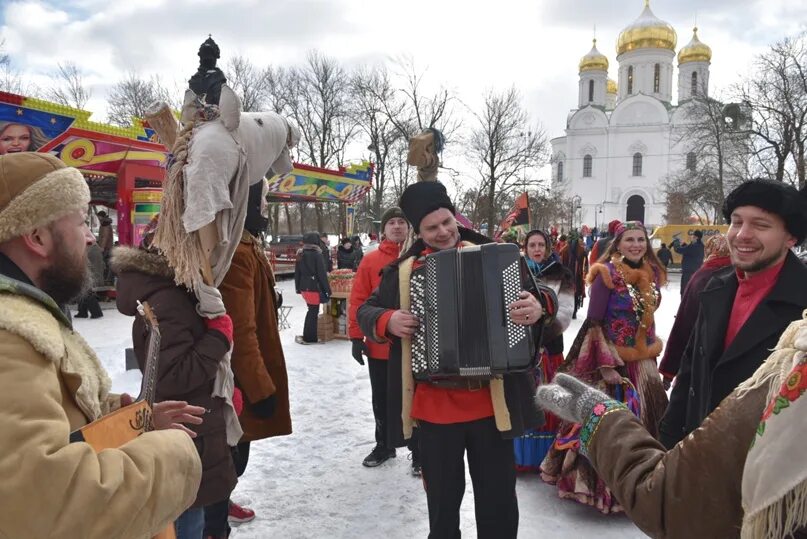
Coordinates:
378 456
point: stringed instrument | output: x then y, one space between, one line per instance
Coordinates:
128 422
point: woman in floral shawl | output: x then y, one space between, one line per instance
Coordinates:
615 350
547 268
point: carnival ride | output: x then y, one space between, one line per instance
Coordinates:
126 166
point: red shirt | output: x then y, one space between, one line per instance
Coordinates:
444 406
750 293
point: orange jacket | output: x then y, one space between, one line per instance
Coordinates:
367 277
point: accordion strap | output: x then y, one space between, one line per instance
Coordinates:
407 379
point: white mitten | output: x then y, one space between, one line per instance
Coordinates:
569 398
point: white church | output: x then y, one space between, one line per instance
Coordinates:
620 145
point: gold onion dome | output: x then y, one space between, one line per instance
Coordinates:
594 60
611 86
647 32
695 50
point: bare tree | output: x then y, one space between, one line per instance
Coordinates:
67 86
372 96
131 97
249 82
717 153
11 79
777 95
504 147
317 99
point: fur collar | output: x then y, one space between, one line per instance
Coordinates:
80 368
126 259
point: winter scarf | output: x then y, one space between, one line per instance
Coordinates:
774 488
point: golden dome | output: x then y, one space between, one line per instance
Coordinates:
611 86
695 50
594 60
647 32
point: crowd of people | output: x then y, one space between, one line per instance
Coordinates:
722 458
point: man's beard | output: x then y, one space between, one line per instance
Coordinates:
67 278
758 265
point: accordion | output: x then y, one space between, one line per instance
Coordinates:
461 297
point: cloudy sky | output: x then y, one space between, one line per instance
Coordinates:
467 45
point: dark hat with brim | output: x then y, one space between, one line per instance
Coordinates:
774 197
421 198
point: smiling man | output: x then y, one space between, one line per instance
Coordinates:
743 309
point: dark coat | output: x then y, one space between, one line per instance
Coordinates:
258 362
691 256
665 256
309 271
348 258
708 373
326 257
685 318
189 358
106 238
519 388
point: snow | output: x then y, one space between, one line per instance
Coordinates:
312 483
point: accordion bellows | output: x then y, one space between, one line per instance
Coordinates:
461 297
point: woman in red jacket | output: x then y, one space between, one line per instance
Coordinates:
394 228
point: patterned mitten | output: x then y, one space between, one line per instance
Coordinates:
569 398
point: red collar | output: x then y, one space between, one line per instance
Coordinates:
389 247
761 279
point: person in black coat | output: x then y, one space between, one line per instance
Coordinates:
744 309
664 255
346 255
311 281
691 257
325 245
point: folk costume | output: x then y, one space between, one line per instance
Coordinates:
478 417
531 448
619 333
742 474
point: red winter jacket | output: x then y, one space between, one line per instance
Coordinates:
367 277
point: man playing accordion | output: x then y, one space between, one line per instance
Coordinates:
477 415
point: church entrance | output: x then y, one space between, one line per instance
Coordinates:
635 209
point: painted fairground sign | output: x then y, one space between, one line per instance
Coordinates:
125 166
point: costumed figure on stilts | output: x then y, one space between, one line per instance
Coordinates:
547 269
616 351
573 256
218 153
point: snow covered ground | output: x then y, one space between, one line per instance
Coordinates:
312 484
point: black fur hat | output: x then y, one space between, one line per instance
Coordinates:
774 197
421 198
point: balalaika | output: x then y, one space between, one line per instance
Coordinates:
461 297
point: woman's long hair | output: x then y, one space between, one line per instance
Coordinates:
38 137
649 255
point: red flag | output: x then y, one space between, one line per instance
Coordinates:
519 215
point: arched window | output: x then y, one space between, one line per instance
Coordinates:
587 165
637 164
656 78
694 89
590 91
691 161
630 80
560 171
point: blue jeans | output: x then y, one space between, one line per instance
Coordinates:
191 524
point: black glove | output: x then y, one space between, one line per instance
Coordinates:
265 408
359 348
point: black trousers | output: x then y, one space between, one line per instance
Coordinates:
216 523
378 387
310 325
493 474
89 301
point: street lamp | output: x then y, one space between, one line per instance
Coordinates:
597 213
576 205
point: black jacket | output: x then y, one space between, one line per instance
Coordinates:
309 271
708 373
519 388
691 256
348 258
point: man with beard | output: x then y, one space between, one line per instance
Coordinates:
51 383
458 416
744 308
